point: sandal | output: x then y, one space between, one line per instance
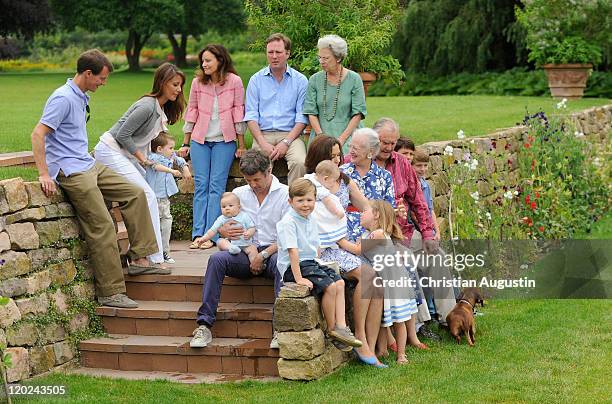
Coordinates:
195 244
393 347
402 360
421 346
206 245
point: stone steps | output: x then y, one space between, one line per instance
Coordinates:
155 336
185 285
235 356
234 320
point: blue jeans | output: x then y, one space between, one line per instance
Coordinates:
210 179
222 264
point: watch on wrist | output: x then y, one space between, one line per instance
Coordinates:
287 142
264 254
185 145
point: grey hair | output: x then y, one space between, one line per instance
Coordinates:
335 44
253 162
371 137
386 123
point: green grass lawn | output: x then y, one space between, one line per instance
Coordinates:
422 118
526 351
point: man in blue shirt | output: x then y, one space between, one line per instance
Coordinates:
274 103
60 147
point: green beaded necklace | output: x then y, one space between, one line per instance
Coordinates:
333 114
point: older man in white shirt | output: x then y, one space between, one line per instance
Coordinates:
266 201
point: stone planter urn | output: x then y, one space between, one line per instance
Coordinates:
367 78
567 80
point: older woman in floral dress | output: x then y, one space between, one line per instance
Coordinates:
373 181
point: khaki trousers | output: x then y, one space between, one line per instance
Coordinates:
444 298
87 192
296 154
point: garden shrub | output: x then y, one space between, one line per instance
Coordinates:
474 215
518 81
563 186
565 180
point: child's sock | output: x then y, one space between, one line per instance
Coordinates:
233 249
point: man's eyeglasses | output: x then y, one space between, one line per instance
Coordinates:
88 113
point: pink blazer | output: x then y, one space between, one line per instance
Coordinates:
231 107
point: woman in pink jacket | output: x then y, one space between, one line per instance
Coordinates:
213 123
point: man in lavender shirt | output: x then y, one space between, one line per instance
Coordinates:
60 147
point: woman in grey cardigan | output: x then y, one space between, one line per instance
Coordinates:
124 147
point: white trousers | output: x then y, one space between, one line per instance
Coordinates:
165 218
134 173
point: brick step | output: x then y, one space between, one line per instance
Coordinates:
185 285
234 320
173 354
184 378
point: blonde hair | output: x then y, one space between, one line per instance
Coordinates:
228 195
327 168
301 187
386 219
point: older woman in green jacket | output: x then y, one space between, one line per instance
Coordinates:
335 99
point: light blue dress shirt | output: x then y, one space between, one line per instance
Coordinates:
163 184
296 231
66 148
276 106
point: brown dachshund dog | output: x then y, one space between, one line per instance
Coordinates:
461 318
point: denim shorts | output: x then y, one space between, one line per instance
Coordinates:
321 276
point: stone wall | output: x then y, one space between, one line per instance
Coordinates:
498 153
305 354
46 278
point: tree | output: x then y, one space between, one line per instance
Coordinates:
195 17
366 25
448 36
140 18
24 18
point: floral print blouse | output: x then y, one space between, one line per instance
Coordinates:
377 183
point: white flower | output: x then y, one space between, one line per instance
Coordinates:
475 195
473 164
509 194
448 150
562 104
515 193
488 215
524 266
579 134
460 134
597 162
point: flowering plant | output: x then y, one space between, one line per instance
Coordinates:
564 184
474 211
562 31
